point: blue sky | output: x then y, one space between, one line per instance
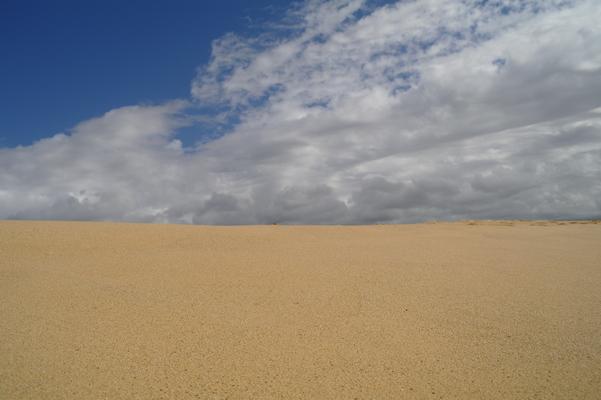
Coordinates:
313 112
67 61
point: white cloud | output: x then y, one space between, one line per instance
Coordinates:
355 114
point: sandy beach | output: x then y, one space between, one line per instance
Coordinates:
467 310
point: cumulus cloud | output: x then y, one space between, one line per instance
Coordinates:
350 112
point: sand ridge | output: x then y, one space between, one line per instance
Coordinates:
476 309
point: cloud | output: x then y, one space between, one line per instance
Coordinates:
350 112
111 167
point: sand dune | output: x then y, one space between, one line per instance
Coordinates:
492 310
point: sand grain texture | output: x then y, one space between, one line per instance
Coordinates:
495 310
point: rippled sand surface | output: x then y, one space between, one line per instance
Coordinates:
471 310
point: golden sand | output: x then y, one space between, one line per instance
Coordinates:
473 310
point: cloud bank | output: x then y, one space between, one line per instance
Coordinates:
347 111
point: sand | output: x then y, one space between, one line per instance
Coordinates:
471 310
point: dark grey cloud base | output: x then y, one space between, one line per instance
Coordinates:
355 114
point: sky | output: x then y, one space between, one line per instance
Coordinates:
72 60
309 112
